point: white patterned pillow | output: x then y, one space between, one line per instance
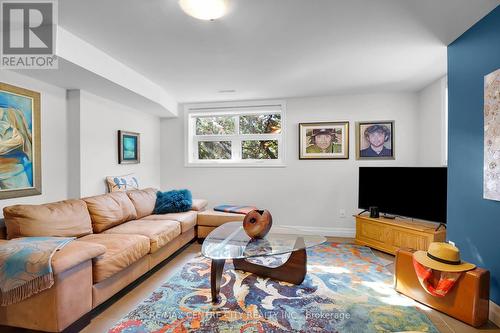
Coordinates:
122 183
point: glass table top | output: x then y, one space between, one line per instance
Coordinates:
229 241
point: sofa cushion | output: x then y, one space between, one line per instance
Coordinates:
111 209
186 219
199 204
214 218
69 218
144 201
121 252
159 232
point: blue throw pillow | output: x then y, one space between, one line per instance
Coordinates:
174 201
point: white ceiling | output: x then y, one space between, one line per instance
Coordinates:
278 48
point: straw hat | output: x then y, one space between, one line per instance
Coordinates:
442 257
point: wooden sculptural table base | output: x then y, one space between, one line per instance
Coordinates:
292 271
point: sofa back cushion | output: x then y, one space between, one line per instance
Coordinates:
111 209
144 201
69 218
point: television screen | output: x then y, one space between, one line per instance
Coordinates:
406 191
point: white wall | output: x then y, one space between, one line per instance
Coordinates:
305 193
74 143
54 139
79 150
432 124
100 120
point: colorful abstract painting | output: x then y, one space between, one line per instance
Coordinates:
128 147
492 136
19 142
347 289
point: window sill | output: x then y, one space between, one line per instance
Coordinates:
234 165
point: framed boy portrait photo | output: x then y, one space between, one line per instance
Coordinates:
325 140
375 140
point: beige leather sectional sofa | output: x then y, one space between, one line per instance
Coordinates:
118 240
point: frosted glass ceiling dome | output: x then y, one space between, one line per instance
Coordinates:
208 10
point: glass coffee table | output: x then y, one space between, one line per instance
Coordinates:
229 241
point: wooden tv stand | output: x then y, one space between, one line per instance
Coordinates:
388 235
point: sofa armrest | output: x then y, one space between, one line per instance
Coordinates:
75 253
199 204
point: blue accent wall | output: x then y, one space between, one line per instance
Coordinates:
473 222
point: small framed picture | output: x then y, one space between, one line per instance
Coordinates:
129 147
325 140
375 140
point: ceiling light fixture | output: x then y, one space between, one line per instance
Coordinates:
208 10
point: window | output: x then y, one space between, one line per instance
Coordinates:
235 134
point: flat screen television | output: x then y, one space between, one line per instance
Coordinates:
405 191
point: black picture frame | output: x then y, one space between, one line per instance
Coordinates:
389 144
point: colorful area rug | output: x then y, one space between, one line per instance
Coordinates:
347 289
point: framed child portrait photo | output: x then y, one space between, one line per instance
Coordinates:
325 140
375 140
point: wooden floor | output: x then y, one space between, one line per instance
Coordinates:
112 314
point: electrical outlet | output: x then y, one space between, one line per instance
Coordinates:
342 213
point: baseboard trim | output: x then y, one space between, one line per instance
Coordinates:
494 314
329 232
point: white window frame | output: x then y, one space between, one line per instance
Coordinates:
191 111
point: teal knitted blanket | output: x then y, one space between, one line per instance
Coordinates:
25 266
